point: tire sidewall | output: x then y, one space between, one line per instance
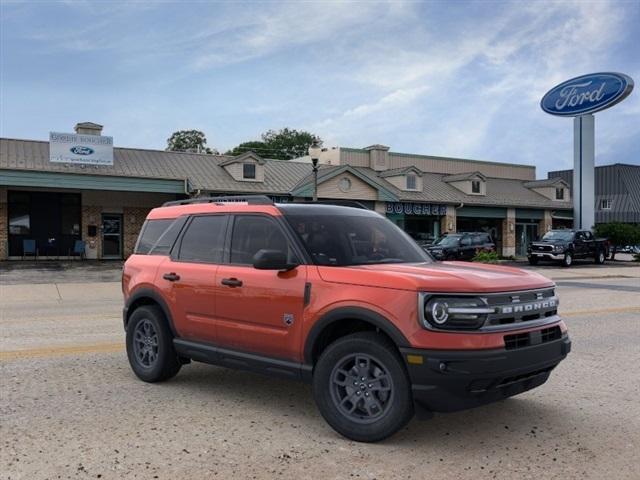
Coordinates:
167 359
600 258
568 260
401 409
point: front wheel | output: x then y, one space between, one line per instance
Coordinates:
533 260
600 257
361 387
150 345
567 261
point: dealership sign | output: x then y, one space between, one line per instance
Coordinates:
80 149
587 94
409 208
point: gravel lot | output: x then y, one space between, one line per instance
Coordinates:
71 408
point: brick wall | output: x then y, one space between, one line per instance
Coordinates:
133 218
91 215
546 223
509 233
448 220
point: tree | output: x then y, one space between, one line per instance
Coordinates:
188 141
619 234
283 144
255 146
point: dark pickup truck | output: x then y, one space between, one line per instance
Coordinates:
566 245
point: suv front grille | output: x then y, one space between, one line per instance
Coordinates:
518 307
521 340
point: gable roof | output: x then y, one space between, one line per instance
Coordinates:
547 182
464 176
395 172
89 125
305 187
243 157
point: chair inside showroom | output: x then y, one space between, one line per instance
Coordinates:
29 248
78 250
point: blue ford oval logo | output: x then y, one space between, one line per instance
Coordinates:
79 150
587 94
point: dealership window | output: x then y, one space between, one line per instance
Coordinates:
411 182
19 213
475 186
560 193
70 214
605 204
249 171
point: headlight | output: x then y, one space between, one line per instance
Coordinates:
455 313
558 248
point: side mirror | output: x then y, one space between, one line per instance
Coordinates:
272 260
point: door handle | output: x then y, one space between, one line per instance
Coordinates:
172 277
231 282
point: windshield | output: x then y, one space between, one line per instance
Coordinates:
344 240
558 235
448 241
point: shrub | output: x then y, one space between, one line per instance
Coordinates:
486 257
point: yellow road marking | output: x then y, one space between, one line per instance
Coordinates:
55 351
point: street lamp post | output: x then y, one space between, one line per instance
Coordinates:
314 153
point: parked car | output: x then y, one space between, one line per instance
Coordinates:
461 246
566 245
339 297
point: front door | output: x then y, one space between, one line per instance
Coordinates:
259 311
111 235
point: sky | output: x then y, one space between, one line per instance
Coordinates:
450 78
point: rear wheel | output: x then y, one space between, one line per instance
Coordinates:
567 261
361 387
150 345
600 257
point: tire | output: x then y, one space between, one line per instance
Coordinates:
369 410
567 261
150 345
533 260
600 257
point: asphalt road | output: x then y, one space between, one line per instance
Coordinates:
71 408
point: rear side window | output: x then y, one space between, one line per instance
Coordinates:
150 233
203 240
254 233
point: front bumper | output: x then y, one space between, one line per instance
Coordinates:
546 255
447 381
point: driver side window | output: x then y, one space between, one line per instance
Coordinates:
252 233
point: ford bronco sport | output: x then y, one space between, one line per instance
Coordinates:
339 297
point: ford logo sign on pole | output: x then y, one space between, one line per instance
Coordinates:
78 150
580 97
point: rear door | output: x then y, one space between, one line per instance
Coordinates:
467 249
260 311
188 277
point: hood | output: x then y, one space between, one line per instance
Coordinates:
459 277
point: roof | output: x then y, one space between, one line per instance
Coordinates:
243 157
547 182
203 171
394 172
206 172
88 125
463 176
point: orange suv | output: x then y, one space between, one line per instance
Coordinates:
339 297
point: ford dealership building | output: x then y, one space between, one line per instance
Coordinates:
78 187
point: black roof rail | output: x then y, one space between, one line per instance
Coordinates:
249 199
337 203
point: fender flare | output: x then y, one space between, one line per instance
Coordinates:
157 298
352 313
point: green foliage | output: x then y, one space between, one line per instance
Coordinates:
188 141
486 257
619 234
256 146
283 144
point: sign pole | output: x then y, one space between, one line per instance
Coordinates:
583 172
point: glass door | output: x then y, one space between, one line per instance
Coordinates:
111 235
525 233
